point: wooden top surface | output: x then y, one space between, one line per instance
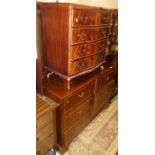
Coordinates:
74 4
43 104
56 88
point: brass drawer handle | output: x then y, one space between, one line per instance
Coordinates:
82 36
81 94
81 51
84 20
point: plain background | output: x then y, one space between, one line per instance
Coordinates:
136 77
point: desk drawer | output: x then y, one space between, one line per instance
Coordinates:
79 96
76 129
73 117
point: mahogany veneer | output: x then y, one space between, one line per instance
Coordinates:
74 38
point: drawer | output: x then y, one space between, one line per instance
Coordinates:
82 65
44 132
84 50
89 35
44 118
76 129
105 17
78 113
79 96
45 145
84 35
82 17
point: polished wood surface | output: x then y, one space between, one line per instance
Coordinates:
75 34
80 104
77 48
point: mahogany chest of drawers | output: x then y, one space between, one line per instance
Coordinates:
80 104
45 124
74 38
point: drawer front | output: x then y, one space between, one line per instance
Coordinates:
73 117
84 50
82 65
44 119
79 96
45 145
83 17
89 35
105 17
76 129
44 132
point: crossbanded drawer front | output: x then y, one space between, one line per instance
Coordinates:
44 132
76 129
87 35
45 145
83 17
44 119
82 65
78 97
77 114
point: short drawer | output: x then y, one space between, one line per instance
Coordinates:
78 113
82 65
76 129
105 17
44 132
45 145
84 50
79 96
83 17
44 119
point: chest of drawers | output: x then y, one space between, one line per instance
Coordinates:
74 38
45 126
80 104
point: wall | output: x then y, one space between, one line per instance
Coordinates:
100 3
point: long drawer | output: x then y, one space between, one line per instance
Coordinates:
87 35
75 99
84 64
76 114
76 129
84 50
45 145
